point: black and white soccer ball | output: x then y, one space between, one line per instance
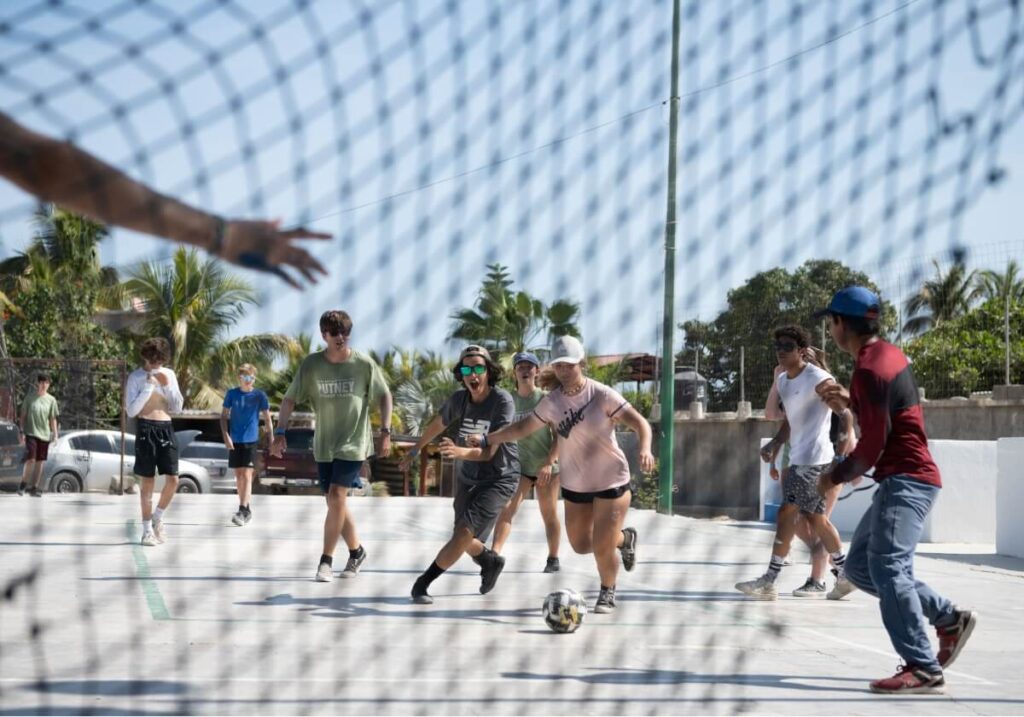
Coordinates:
564 610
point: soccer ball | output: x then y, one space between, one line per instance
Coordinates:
564 610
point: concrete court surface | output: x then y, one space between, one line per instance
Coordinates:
228 620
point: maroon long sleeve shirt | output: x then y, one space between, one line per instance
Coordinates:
884 396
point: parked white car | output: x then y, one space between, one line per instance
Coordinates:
87 460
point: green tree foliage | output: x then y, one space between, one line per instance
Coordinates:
766 301
505 321
192 302
968 353
420 382
52 291
947 296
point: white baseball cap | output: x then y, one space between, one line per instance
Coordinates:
567 349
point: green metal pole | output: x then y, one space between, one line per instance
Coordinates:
668 363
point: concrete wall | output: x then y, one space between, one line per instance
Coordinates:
973 419
1010 497
965 511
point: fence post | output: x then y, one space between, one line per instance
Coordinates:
1006 334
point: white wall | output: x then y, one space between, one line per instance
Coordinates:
1010 497
965 511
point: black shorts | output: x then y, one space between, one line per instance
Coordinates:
243 455
609 494
477 506
36 449
156 449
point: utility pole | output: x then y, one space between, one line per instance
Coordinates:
668 363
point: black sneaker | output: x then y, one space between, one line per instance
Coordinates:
419 594
605 601
21 489
628 549
552 566
493 564
36 493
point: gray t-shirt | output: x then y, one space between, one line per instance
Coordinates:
463 417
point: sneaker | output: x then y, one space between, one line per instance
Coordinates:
492 567
21 489
761 589
239 518
605 601
910 680
552 566
36 493
159 531
811 589
148 539
953 638
628 549
352 566
843 586
324 573
247 517
419 594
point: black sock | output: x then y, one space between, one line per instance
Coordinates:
329 559
241 508
22 486
247 510
430 575
357 552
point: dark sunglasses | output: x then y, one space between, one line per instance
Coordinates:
469 370
338 332
784 346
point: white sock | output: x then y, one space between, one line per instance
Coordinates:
158 514
147 526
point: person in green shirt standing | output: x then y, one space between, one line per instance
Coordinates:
537 454
341 384
39 414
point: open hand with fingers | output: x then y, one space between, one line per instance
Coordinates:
264 246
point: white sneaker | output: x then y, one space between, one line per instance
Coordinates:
760 589
352 566
843 588
324 573
149 539
159 531
238 518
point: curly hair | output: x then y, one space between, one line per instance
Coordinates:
156 349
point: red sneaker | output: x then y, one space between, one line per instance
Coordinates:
953 638
910 680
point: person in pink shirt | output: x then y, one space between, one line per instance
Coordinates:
595 473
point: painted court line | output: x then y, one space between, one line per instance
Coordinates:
865 648
154 600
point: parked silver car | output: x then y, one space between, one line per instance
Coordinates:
87 460
211 456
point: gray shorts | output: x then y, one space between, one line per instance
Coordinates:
477 506
800 487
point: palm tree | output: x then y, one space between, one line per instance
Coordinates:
506 321
65 248
191 302
419 381
941 299
1008 285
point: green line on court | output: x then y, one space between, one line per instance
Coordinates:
155 601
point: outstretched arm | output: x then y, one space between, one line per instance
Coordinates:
61 173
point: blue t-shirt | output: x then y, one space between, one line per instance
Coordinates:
245 413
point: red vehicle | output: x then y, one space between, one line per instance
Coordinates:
296 468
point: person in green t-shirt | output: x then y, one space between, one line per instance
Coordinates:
39 414
537 454
341 384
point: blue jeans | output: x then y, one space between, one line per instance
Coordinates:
881 563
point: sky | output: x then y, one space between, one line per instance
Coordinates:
432 138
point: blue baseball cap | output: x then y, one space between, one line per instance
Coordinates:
853 301
525 356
